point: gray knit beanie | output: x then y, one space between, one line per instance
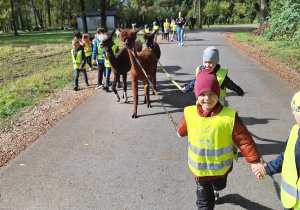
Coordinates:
211 54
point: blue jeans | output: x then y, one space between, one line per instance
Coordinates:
180 34
107 75
76 76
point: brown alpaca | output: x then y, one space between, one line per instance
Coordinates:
120 64
150 43
148 61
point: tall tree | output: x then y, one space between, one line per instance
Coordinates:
83 16
49 12
263 11
103 14
13 17
200 14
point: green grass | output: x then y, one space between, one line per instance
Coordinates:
277 49
33 66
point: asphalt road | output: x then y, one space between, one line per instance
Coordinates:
97 157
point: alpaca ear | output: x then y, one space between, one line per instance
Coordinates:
112 34
137 30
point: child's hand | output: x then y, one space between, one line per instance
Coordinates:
259 170
183 89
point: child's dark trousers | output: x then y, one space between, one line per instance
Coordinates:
205 192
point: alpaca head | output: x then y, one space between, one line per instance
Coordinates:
128 38
106 40
149 37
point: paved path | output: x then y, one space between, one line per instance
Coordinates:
97 157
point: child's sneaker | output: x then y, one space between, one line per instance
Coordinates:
216 196
99 86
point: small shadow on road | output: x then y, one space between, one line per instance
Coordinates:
245 203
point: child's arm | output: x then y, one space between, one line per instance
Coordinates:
95 50
274 166
83 59
228 83
182 129
190 86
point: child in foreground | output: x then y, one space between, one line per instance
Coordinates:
214 133
210 61
288 162
79 62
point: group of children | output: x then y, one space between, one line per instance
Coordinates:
215 133
84 51
166 28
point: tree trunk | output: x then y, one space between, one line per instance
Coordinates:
22 22
62 16
194 12
13 17
103 14
263 11
49 13
34 11
200 19
83 16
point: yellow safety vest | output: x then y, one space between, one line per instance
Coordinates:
147 30
100 50
211 148
290 185
77 62
221 74
167 26
106 61
89 49
155 28
174 27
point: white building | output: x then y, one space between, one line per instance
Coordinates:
93 20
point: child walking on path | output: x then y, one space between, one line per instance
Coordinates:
174 30
214 133
115 49
166 29
88 49
288 162
210 61
79 62
97 53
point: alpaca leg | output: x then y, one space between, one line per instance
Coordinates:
114 88
153 80
135 97
124 78
147 97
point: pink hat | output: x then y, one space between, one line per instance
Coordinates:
206 80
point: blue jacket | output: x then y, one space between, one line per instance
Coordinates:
95 50
275 166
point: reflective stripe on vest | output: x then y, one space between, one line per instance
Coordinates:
100 50
211 148
290 186
106 61
77 62
89 50
221 74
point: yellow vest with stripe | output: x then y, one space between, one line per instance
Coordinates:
100 50
78 60
147 30
89 49
221 74
106 61
174 27
290 185
155 28
167 26
211 148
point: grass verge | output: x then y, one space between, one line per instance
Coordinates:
276 49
